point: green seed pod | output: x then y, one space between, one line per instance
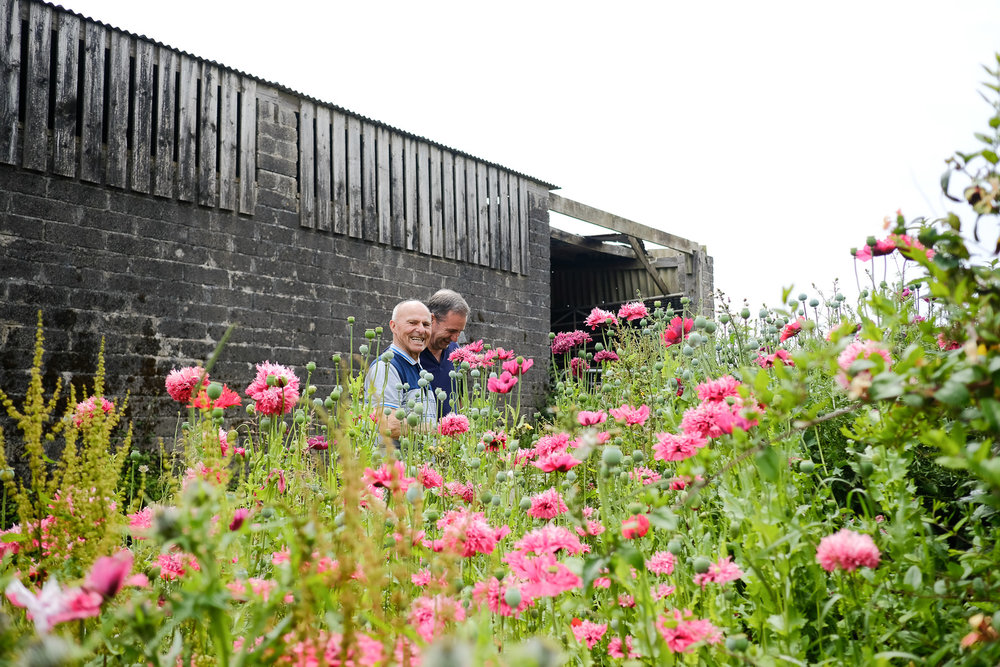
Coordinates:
745 313
370 334
474 463
636 508
806 466
300 417
571 476
638 456
623 477
431 515
525 503
265 423
214 390
700 564
737 643
612 455
338 520
363 350
866 468
512 597
412 419
386 411
675 547
495 500
414 493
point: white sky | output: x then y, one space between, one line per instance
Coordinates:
778 134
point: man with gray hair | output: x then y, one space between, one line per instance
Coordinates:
449 313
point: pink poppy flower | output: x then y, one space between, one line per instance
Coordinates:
578 366
588 418
557 461
239 516
494 441
791 330
464 491
621 650
719 572
86 410
467 533
389 475
683 631
542 576
635 526
847 550
673 447
631 416
227 399
662 562
492 593
605 356
860 349
278 397
515 368
108 573
718 390
567 340
778 357
549 539
633 311
677 330
429 478
547 505
318 443
502 384
181 383
588 632
453 424
598 317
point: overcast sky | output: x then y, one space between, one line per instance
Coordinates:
778 134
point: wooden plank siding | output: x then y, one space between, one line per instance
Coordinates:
82 100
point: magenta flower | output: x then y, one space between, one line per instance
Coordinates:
677 330
181 383
709 420
719 572
718 390
683 631
578 366
635 526
633 311
847 550
791 329
778 357
453 424
496 441
598 317
621 650
547 505
631 416
278 397
542 576
108 574
567 340
466 492
239 516
860 349
549 539
429 478
588 632
662 562
467 533
605 356
514 368
588 418
318 443
389 475
88 409
557 461
502 384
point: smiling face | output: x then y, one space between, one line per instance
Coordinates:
411 327
445 331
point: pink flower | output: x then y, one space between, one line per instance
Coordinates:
719 572
791 329
605 356
567 340
860 349
677 330
779 356
453 424
493 594
239 516
227 399
847 550
644 475
276 398
366 652
88 409
494 441
683 631
718 390
672 447
515 368
464 491
635 526
549 539
714 419
578 366
615 645
633 311
428 616
547 505
317 443
557 461
631 416
429 478
389 475
141 520
108 573
680 482
661 591
587 632
598 317
543 576
175 565
502 384
881 247
467 533
588 418
662 562
181 383
470 354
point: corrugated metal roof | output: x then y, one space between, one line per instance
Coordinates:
296 93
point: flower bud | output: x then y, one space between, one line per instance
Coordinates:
363 350
512 597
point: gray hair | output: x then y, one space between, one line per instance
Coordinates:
447 301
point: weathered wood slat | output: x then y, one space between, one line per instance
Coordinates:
522 216
228 98
355 214
92 123
515 227
307 184
410 195
503 202
10 74
384 221
187 135
437 226
338 161
208 124
248 147
471 213
397 211
483 215
448 202
423 197
142 116
323 168
35 152
369 171
493 176
64 158
116 173
163 181
461 230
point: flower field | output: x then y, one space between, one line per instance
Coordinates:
816 483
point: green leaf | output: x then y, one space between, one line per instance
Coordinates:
663 518
995 122
886 385
986 139
990 156
768 463
629 555
953 393
914 578
990 408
